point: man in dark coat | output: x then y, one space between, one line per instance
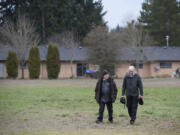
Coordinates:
105 94
133 88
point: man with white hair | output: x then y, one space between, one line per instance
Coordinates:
133 88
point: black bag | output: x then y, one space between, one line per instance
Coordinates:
140 101
122 100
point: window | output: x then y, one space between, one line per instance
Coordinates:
25 66
81 69
139 66
1 70
96 67
165 65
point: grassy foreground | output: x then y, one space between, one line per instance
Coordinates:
72 110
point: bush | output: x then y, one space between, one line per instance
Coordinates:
53 61
12 65
34 63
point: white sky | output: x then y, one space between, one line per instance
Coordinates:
121 11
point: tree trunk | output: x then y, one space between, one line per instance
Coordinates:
71 62
43 28
137 66
22 73
22 63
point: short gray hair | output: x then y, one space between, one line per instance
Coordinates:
131 68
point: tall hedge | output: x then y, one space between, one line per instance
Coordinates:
34 63
53 61
12 65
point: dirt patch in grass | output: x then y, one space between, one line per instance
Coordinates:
156 82
84 122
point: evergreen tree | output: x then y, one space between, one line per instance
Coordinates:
162 18
53 61
12 65
117 29
34 63
57 16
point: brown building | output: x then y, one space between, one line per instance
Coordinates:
158 62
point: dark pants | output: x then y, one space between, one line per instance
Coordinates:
132 105
109 108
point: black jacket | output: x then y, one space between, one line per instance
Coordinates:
132 85
113 90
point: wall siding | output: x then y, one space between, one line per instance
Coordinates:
121 69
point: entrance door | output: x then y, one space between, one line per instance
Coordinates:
1 70
81 68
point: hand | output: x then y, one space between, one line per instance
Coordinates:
140 96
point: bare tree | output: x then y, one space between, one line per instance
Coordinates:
136 37
67 38
103 48
20 36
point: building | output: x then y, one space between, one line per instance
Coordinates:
159 62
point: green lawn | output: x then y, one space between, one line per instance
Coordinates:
51 110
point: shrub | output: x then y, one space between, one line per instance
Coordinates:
34 63
12 65
53 61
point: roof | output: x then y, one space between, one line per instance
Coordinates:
151 53
3 52
65 53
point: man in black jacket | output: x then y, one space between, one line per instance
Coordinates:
105 94
132 86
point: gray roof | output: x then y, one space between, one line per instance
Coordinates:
152 53
3 52
65 53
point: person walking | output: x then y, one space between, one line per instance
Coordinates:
133 88
105 94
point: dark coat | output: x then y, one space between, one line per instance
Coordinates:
113 90
132 85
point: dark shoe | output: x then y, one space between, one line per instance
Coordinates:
131 122
111 121
98 121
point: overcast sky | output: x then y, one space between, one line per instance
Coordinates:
120 11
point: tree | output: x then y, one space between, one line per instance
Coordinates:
12 65
136 37
162 18
11 9
117 29
103 48
57 16
53 61
20 36
34 63
68 38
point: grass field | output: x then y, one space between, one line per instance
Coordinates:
53 109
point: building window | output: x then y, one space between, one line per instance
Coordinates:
1 70
96 67
81 69
165 65
139 66
25 66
